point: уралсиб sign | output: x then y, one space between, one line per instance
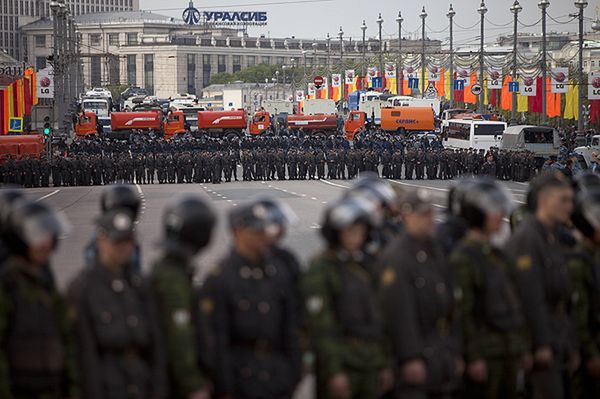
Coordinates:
236 17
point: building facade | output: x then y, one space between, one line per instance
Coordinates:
17 13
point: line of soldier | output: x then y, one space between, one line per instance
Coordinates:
393 306
212 161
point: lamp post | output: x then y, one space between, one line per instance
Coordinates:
482 10
364 31
543 5
381 66
328 52
515 9
423 17
451 13
581 5
341 36
305 82
399 68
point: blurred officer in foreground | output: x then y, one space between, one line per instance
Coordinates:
8 199
453 228
37 355
118 196
585 267
418 306
544 285
343 317
118 342
249 300
493 326
187 225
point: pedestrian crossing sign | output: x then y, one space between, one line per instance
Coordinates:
15 125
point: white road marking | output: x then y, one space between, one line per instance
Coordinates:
313 198
315 226
445 190
47 195
333 184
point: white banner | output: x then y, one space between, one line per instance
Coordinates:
312 90
594 85
495 78
410 73
350 74
464 74
528 87
45 83
336 80
560 80
434 74
390 70
299 95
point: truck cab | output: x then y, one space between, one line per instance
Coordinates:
86 124
260 123
355 121
174 124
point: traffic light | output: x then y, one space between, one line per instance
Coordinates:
47 126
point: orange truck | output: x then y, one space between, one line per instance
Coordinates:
319 124
232 123
397 119
22 146
123 123
86 124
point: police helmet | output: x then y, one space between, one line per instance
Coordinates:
586 214
344 213
380 188
279 212
587 180
32 223
456 194
188 222
484 196
8 199
120 196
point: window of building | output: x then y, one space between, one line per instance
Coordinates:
205 70
95 39
265 60
40 63
593 63
40 41
95 71
221 63
113 39
132 38
251 60
131 65
237 63
191 73
149 73
280 60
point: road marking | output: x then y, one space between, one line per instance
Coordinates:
140 190
47 195
445 190
315 226
313 198
333 184
323 202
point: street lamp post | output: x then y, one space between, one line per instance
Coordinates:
482 10
543 5
364 31
450 15
381 66
515 9
341 36
399 71
581 5
305 81
423 17
328 52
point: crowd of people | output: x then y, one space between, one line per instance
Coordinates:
213 160
394 306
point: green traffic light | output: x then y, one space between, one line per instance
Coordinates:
47 131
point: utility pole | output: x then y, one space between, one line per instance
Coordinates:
399 69
482 11
381 66
364 31
581 5
328 52
543 5
423 17
315 64
341 36
515 9
450 15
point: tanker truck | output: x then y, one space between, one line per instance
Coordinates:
123 124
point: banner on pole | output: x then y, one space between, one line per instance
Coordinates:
464 74
390 70
336 80
529 87
45 83
494 78
594 85
299 95
434 74
560 80
410 73
350 76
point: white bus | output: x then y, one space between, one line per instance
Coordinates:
476 134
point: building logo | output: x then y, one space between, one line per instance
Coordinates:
191 15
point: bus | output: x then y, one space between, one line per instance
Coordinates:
476 134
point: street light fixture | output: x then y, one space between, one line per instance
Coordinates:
399 71
423 17
364 31
451 13
482 10
543 5
515 9
341 36
581 5
381 67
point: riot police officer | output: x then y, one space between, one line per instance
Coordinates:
343 318
36 359
492 323
249 300
118 339
187 228
8 199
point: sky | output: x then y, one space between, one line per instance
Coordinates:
313 19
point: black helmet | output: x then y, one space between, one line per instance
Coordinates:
30 223
8 199
279 212
188 222
484 196
120 196
344 213
587 180
586 215
379 188
456 194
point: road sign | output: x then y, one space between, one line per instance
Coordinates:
431 92
413 83
459 85
15 125
318 81
377 82
476 89
513 87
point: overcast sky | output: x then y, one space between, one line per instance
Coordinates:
312 19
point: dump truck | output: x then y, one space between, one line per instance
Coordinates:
397 119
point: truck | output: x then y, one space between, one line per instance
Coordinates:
407 101
396 119
588 151
22 146
231 124
277 107
541 140
319 106
86 125
125 123
318 125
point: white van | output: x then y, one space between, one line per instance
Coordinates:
476 134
